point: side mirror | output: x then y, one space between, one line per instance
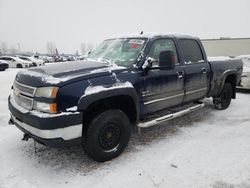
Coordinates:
167 60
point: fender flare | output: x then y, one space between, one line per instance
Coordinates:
86 100
224 77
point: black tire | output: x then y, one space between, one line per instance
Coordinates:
224 99
107 135
19 66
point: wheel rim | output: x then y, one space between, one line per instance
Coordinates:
109 137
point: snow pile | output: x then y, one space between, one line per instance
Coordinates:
109 69
45 78
219 58
96 89
74 108
54 80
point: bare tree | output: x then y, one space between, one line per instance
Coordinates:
83 48
51 48
3 48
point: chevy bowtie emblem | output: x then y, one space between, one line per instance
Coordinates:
17 92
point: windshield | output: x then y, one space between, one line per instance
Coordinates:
123 52
24 58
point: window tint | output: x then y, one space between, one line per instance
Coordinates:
191 51
160 45
5 58
25 58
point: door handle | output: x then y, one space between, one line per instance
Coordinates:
203 70
180 74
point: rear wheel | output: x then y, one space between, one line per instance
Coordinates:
107 135
19 66
224 99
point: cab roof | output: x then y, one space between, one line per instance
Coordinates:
155 35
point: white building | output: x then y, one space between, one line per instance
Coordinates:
227 46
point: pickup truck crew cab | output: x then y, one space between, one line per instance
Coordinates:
123 83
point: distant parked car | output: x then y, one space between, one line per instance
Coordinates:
3 65
58 58
71 58
82 57
245 77
16 62
63 59
35 62
46 59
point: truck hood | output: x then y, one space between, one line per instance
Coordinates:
61 73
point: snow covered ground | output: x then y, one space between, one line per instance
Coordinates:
207 148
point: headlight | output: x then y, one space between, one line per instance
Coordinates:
45 107
47 92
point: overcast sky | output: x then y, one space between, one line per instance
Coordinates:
32 23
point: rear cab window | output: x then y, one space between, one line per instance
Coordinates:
191 51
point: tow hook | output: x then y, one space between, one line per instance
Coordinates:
11 122
26 137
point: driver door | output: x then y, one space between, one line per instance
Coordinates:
163 88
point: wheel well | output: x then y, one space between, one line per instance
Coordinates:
232 80
122 102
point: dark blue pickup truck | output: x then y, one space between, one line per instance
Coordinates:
125 82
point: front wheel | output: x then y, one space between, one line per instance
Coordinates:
224 99
107 135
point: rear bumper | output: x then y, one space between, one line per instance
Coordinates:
52 130
243 89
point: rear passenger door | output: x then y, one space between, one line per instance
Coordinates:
197 70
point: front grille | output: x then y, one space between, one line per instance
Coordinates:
23 95
25 90
25 102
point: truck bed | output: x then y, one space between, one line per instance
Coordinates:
219 68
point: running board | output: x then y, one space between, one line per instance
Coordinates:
170 116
